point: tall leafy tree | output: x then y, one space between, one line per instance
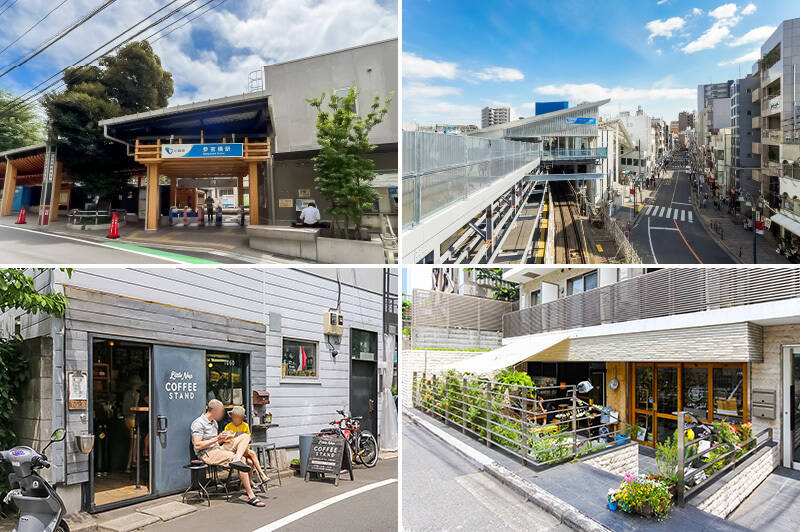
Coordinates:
132 81
19 126
344 168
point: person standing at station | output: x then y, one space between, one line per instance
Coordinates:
210 208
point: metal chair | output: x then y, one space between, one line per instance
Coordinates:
263 448
211 473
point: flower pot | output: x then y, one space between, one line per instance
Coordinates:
613 506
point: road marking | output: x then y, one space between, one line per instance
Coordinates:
89 242
663 229
668 212
291 518
683 216
650 238
690 216
649 208
660 211
675 216
679 203
687 243
176 257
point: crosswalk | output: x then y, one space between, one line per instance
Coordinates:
681 215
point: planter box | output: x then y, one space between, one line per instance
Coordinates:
340 251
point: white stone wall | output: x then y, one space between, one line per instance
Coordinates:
442 338
727 498
428 361
621 461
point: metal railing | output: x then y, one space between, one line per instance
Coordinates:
692 480
439 170
791 171
575 153
540 425
442 320
78 217
661 293
623 244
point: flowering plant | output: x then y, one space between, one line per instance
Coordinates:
643 495
612 494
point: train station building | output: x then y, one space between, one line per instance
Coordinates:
252 150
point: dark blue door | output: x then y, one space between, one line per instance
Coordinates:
179 384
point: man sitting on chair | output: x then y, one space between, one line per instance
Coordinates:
309 217
222 449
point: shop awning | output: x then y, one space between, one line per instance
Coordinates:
510 354
787 223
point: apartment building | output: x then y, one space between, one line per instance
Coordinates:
720 343
745 113
492 116
712 91
685 120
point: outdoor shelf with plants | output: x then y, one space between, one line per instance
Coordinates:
541 425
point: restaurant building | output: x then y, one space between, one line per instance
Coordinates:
720 343
140 352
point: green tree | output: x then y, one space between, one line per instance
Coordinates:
503 290
18 291
132 81
19 126
344 168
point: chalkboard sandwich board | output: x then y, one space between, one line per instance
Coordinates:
329 456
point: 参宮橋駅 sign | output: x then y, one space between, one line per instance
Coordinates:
581 120
199 151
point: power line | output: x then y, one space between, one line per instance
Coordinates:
185 23
82 21
36 24
9 7
20 101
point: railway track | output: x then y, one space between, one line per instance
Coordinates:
569 240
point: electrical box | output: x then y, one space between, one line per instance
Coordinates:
333 324
764 404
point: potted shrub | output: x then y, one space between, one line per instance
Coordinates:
613 505
295 464
644 496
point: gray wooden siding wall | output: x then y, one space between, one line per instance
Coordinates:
301 298
99 313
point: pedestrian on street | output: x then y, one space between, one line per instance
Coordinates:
210 208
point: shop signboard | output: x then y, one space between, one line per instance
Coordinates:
200 151
580 120
328 456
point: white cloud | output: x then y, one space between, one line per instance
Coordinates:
423 90
723 11
500 74
718 32
697 11
415 67
593 92
749 9
661 2
664 28
759 34
749 57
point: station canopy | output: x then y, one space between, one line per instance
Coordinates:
29 163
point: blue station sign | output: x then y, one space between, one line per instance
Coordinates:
199 151
581 120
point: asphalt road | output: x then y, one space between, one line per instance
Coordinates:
443 491
670 232
28 246
299 505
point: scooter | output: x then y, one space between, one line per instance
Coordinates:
40 507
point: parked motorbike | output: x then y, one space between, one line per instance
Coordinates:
40 507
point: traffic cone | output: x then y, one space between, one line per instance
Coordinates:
21 219
113 231
200 217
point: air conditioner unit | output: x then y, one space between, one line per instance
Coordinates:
333 324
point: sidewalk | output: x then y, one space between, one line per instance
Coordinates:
228 241
578 488
733 237
624 216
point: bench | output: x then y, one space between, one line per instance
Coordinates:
284 240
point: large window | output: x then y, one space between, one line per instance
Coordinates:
225 378
363 345
582 283
299 358
536 297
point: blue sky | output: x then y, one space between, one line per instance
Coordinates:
460 56
212 56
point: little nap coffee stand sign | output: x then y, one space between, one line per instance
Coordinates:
328 456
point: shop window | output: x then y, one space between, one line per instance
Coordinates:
728 394
667 389
225 378
644 388
363 345
695 392
299 358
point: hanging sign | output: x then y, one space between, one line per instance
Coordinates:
200 151
77 390
580 120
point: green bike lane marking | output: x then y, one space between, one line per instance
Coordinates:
159 253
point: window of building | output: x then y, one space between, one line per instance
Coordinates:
341 93
728 392
536 297
582 283
299 358
363 345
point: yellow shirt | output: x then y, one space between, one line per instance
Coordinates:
243 428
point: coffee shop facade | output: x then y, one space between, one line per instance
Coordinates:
168 340
720 343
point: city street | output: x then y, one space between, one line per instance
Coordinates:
449 493
670 232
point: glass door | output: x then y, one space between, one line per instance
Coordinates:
656 398
791 407
667 400
643 402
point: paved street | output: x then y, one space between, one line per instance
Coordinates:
443 491
669 231
774 505
299 505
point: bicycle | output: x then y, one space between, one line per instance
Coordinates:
361 444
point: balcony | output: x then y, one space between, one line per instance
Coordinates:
771 136
756 148
756 122
791 171
771 168
659 294
772 105
771 74
575 154
756 94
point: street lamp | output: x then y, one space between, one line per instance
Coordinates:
755 207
